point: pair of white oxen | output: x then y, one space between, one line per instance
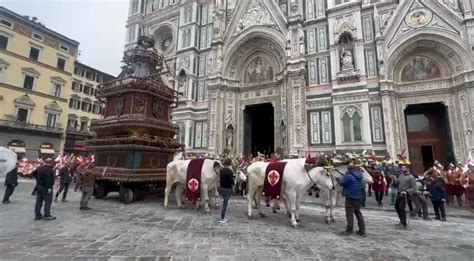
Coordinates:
296 182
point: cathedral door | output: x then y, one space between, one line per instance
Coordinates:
428 134
259 129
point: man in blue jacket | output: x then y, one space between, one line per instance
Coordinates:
352 190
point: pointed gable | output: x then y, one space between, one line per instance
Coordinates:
250 13
418 15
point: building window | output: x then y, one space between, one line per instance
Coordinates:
61 64
3 42
87 89
37 37
64 48
338 2
86 107
29 82
76 70
51 120
6 23
75 86
57 90
22 115
2 74
83 126
351 125
72 124
34 53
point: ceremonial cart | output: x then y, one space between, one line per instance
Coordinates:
135 139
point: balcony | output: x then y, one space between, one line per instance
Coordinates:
18 125
78 131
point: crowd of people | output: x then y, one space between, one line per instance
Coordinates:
391 178
53 175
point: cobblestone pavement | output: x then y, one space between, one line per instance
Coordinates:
145 231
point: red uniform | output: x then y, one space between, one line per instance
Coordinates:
379 181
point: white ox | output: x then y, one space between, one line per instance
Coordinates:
296 181
332 195
176 172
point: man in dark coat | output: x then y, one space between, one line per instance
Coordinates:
226 183
352 190
44 182
11 181
66 179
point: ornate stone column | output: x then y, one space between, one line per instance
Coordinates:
295 92
386 90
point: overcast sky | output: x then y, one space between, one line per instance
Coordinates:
98 25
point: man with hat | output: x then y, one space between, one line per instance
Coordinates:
352 190
44 183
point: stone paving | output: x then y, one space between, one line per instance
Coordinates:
145 231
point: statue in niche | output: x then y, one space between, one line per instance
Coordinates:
230 136
283 133
347 61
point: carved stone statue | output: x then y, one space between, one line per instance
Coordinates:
347 61
230 136
283 133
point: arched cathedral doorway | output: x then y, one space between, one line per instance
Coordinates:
422 97
255 95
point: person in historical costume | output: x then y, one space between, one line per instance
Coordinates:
44 184
468 178
379 185
11 181
458 189
453 186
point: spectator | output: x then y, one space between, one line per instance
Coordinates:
44 184
406 186
353 192
437 193
420 203
11 181
65 179
88 182
226 183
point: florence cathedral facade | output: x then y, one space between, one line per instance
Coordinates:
294 76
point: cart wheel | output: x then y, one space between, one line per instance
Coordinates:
126 195
99 192
138 195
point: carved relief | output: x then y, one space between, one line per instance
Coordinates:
256 14
139 103
119 105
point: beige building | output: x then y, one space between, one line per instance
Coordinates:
83 106
36 66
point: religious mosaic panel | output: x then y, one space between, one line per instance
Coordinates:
259 70
420 68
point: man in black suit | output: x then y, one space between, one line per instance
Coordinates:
11 181
44 183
